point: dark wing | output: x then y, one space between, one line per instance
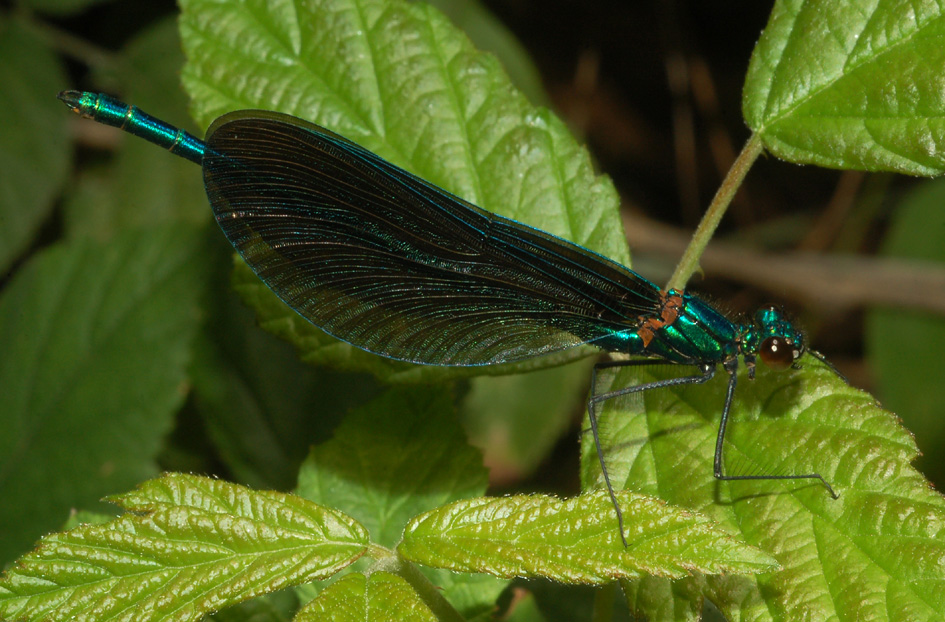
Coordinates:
392 264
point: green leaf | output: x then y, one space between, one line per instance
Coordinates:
96 340
82 517
207 543
355 597
33 149
526 608
276 607
679 601
574 541
399 455
559 602
882 536
905 348
518 419
400 80
855 85
490 35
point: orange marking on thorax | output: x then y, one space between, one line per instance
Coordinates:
669 312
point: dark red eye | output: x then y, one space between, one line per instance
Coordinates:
776 353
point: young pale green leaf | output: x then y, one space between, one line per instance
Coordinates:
576 540
193 545
856 85
96 340
34 152
883 536
375 598
399 79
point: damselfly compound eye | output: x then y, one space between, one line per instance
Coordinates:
777 353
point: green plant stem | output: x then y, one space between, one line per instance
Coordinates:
689 262
431 595
378 552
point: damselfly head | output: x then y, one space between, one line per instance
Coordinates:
781 343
